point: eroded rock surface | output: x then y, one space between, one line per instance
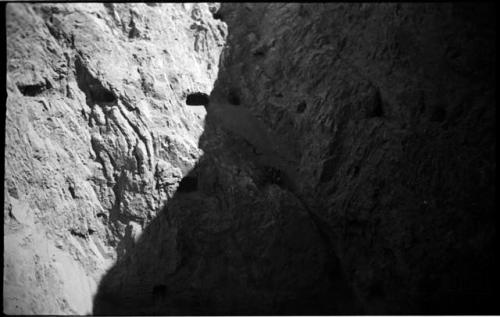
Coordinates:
391 110
345 165
98 137
348 168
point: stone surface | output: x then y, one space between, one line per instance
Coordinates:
98 137
345 164
391 110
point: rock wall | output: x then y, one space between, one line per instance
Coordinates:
391 111
348 168
345 165
98 137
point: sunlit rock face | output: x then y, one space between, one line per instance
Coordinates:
98 136
181 159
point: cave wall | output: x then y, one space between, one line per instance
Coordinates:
98 137
345 164
391 110
348 168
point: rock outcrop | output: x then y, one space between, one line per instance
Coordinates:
345 164
391 110
98 137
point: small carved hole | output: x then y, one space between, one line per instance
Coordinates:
197 99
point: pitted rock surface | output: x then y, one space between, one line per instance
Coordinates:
250 159
98 137
391 109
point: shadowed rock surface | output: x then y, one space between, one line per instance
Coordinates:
391 109
346 164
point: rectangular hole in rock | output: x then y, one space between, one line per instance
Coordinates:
34 89
197 99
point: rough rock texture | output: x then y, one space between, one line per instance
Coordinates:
365 129
346 163
391 109
98 137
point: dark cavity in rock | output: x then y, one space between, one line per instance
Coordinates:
77 233
94 90
218 15
101 215
34 89
72 191
197 99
